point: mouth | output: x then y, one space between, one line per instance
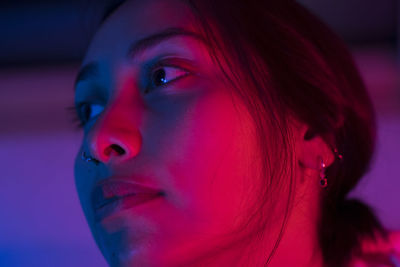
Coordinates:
111 196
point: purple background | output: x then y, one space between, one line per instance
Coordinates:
41 222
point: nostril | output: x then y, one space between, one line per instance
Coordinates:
120 151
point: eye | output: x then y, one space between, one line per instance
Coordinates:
161 76
87 111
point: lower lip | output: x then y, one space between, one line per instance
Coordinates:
123 204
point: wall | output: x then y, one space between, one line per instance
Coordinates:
41 222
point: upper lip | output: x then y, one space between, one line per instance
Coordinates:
108 190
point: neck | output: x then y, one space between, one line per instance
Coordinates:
298 245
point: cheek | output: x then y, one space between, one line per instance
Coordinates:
211 170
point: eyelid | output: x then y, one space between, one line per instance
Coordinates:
176 62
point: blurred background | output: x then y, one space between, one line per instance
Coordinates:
41 45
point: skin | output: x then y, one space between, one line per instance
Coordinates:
192 138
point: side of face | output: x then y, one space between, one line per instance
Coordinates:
182 129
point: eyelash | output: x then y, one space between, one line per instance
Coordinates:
80 123
74 117
166 63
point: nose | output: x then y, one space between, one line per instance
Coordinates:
114 140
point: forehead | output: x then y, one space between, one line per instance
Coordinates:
136 19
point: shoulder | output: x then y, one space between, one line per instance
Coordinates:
380 253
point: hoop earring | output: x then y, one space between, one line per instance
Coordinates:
322 175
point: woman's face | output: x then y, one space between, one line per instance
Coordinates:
158 115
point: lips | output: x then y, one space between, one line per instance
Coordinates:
112 195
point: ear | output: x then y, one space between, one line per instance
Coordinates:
312 148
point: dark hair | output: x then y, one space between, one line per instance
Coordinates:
293 66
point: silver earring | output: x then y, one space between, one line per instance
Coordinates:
89 158
322 175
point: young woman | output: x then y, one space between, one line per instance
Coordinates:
224 133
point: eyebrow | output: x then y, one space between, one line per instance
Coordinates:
91 70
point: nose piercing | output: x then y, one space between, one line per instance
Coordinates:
89 158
